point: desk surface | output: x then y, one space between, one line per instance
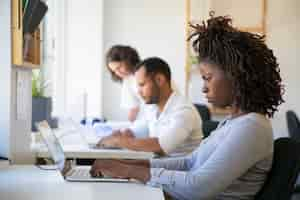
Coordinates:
74 147
79 151
32 183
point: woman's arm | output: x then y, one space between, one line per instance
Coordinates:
132 113
238 152
177 163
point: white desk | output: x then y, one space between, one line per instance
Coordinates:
74 147
32 183
79 151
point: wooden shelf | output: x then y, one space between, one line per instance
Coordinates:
30 65
33 57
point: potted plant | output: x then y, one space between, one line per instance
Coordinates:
41 104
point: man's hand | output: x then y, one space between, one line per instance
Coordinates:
127 133
116 139
110 141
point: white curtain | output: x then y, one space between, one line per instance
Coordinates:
73 57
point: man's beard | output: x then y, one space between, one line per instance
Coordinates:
154 99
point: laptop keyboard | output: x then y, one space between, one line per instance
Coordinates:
84 174
80 173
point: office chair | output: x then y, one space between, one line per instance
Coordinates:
203 111
208 125
293 125
282 177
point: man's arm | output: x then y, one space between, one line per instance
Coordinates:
128 141
146 144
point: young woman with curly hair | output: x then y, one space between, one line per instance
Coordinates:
239 71
120 62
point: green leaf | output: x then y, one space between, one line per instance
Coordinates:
37 84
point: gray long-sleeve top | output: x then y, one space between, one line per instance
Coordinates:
232 163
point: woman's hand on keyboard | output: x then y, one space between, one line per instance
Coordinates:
118 169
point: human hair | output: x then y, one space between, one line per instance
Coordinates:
246 60
122 53
155 65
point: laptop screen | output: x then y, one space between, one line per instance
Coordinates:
52 143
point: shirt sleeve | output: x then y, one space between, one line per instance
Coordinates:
140 128
239 151
174 163
178 128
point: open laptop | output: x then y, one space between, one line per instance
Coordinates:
67 170
87 134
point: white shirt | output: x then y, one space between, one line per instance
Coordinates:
130 97
177 127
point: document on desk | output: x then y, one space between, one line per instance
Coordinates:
105 129
92 132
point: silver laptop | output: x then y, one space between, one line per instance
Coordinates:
67 170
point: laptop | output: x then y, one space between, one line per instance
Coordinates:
67 170
88 135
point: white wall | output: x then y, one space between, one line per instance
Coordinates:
5 72
83 57
14 131
283 27
54 55
20 130
282 35
154 28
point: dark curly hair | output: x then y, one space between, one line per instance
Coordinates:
249 64
122 53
